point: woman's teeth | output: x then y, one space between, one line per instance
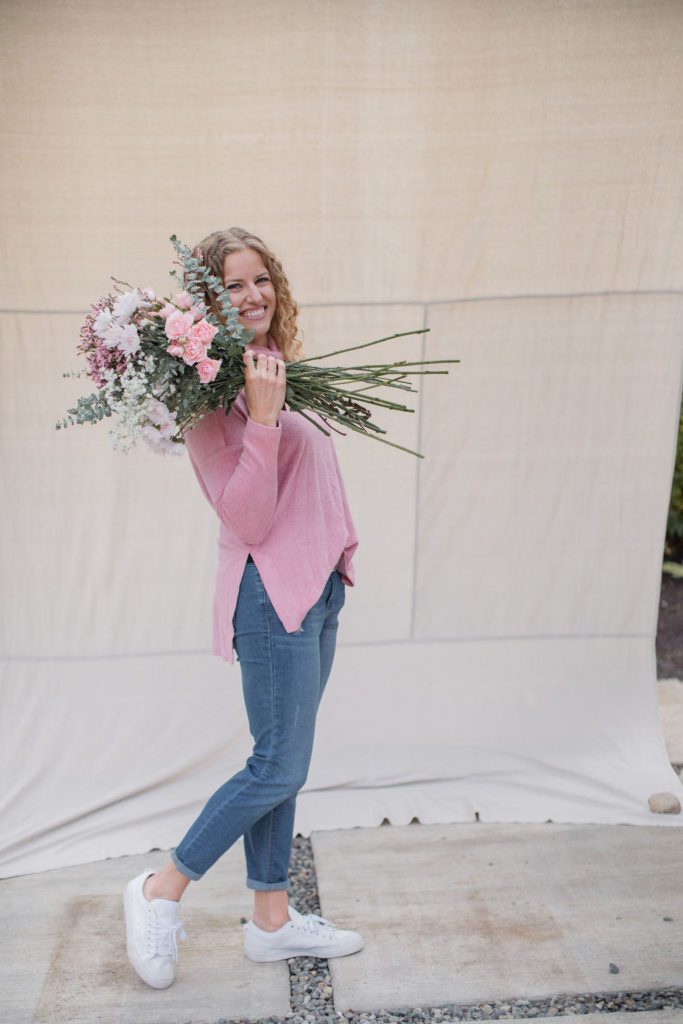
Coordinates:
255 314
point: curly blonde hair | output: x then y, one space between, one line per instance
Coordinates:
213 249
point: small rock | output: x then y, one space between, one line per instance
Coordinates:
664 803
613 969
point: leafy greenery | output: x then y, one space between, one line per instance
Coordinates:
674 524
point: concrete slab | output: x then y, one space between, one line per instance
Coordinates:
670 695
64 955
473 912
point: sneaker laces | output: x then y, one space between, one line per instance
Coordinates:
165 937
315 924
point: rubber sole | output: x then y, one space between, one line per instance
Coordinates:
268 956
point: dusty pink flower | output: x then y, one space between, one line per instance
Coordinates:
175 349
203 331
199 311
166 310
194 351
178 324
183 299
207 369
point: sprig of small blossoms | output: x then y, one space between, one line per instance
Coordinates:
131 399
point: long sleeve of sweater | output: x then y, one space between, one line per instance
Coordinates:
235 460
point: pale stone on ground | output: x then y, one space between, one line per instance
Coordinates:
664 803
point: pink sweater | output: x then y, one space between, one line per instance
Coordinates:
279 496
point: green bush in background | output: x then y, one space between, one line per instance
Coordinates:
673 549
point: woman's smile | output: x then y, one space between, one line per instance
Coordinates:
251 289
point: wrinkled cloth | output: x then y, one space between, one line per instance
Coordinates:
279 496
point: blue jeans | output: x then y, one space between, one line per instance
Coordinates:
283 679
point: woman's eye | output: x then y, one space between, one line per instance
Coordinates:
236 285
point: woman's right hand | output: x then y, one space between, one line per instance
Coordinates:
265 385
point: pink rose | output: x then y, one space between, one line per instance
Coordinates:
183 299
175 349
166 310
194 351
207 369
204 332
199 311
178 324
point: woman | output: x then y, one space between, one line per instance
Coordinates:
274 481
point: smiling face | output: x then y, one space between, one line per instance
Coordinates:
251 290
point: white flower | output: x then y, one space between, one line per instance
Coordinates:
156 410
102 323
129 339
171 447
161 417
125 305
160 444
151 435
112 336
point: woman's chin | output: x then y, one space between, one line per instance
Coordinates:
260 331
261 337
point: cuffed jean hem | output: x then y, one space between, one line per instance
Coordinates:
183 869
266 886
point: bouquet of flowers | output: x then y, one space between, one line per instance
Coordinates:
160 365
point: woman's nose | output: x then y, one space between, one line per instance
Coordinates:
255 292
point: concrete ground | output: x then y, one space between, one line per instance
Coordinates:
64 950
476 913
451 914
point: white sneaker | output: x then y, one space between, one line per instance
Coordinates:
303 935
152 927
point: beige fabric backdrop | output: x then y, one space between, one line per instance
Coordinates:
505 172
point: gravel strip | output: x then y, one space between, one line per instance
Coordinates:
311 983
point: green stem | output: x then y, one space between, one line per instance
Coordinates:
389 337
